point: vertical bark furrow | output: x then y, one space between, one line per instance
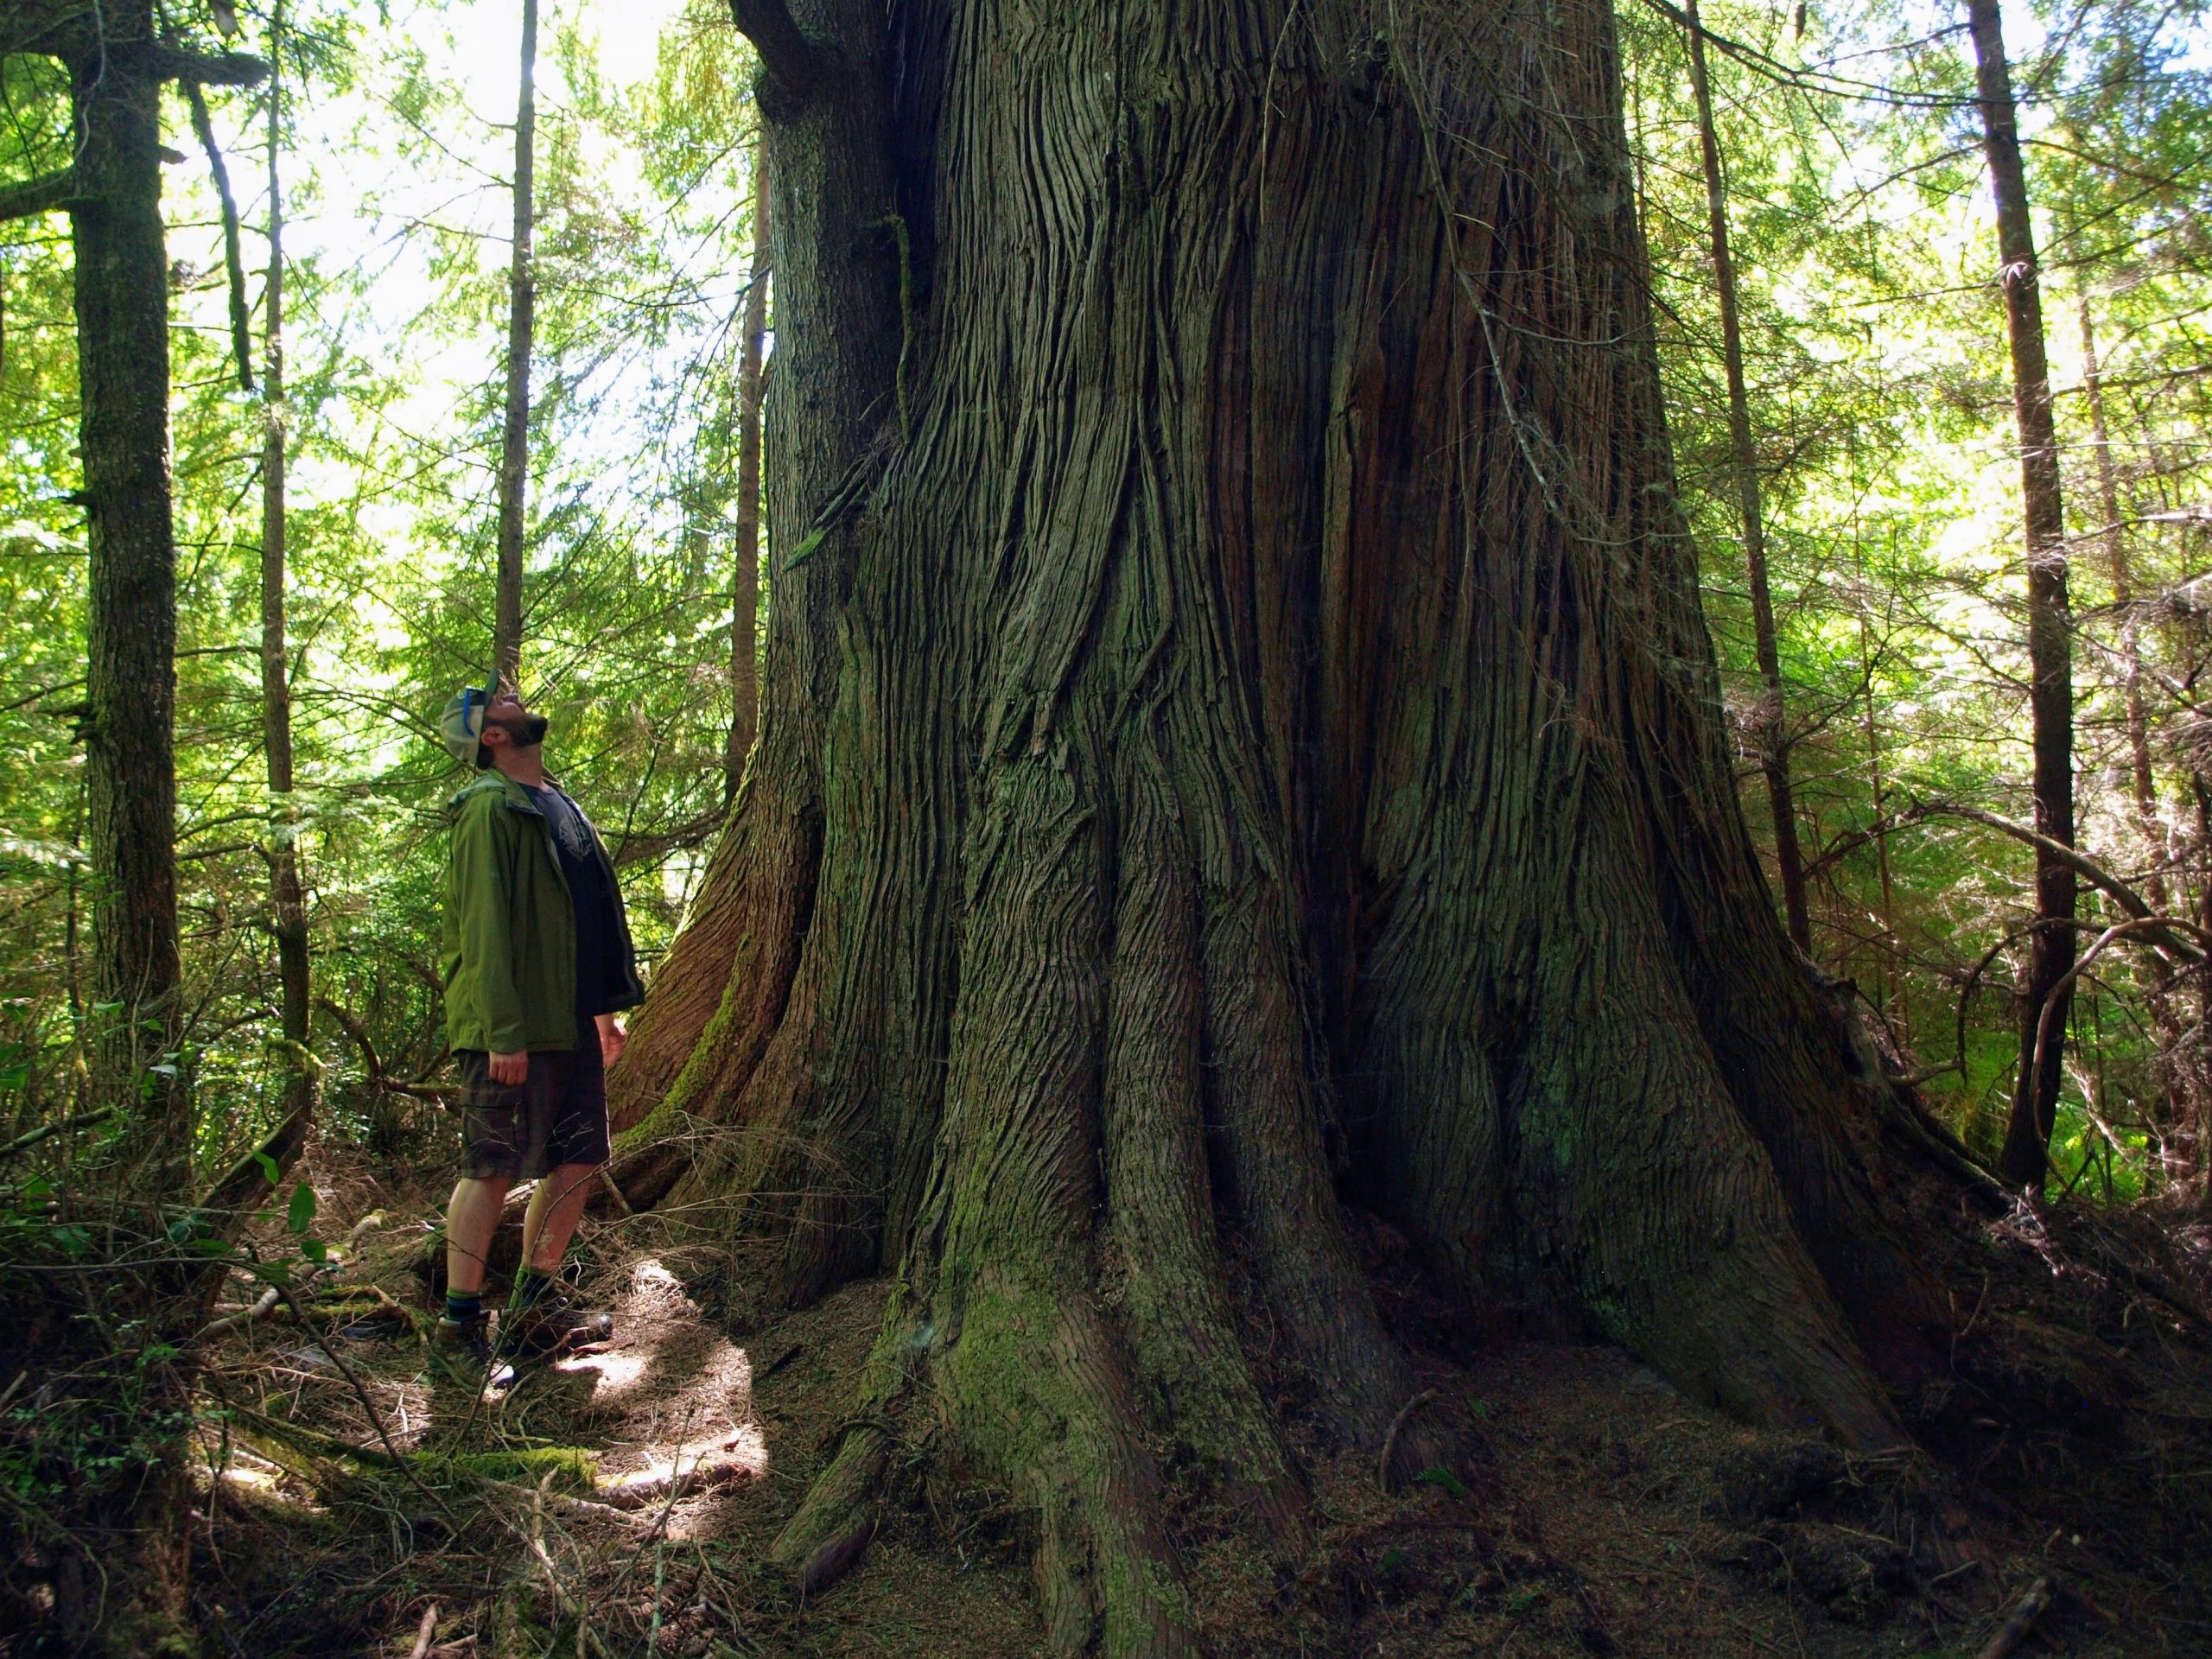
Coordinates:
1005 1260
1182 1331
1636 1181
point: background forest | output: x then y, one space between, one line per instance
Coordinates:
1877 398
1816 196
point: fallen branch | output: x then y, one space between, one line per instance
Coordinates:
425 1632
260 1309
2030 1608
376 1418
673 1480
1397 1427
79 1121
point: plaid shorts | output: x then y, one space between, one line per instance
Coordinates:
520 1131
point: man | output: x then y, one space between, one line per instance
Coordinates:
537 964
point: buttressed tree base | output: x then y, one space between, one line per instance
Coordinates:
1239 734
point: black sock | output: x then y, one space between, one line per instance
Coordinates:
462 1306
530 1284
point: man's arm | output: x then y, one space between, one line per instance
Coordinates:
483 889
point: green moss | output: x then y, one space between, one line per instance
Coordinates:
574 1468
698 1066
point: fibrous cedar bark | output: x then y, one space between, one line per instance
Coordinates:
745 583
1239 734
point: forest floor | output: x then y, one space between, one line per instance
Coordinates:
622 1503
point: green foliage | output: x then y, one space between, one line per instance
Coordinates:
1879 402
1880 399
396 293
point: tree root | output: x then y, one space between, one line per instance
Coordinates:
826 1538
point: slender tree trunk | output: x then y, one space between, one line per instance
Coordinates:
744 588
522 310
1772 725
2050 645
1878 793
111 190
2145 785
2181 1068
2194 1167
122 355
81 1070
286 898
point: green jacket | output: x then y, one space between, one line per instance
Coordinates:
509 945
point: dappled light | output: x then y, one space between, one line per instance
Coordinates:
912 827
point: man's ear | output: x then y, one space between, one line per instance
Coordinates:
492 737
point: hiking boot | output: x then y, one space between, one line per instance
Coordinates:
552 1325
464 1350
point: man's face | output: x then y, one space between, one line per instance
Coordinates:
506 714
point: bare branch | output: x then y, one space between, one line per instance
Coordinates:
195 99
378 1077
40 195
198 69
2167 932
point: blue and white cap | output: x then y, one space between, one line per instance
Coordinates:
461 725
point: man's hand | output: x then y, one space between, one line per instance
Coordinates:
510 1069
613 1038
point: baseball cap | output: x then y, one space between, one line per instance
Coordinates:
462 725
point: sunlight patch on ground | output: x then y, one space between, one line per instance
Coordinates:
616 1372
655 1291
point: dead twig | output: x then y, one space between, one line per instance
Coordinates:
361 1393
1397 1427
425 1632
378 1077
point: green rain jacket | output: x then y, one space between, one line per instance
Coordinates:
508 945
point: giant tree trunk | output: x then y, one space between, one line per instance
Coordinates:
1238 726
2051 637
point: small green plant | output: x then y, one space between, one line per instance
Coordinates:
1437 1475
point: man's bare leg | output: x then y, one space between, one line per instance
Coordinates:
554 1209
472 1217
543 1321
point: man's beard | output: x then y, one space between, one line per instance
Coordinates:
527 730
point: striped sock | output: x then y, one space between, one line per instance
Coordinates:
530 1284
462 1307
